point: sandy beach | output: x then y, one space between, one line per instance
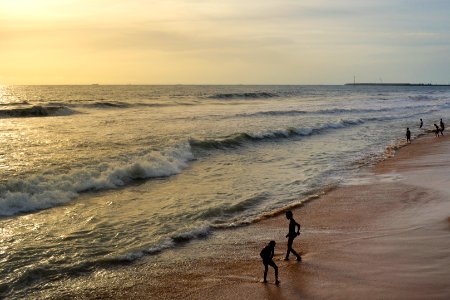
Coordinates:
384 235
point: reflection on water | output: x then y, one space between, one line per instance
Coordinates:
130 171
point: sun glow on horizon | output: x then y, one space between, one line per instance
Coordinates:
180 41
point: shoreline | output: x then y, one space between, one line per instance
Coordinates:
381 236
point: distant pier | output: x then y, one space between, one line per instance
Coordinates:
397 84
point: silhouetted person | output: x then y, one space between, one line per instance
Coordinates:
437 129
267 255
421 123
294 231
442 127
408 135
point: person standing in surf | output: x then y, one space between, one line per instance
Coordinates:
442 127
294 231
267 254
437 129
421 123
408 135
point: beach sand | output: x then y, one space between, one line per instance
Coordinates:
384 235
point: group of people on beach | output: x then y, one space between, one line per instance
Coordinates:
268 252
437 130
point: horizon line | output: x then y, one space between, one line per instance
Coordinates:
222 84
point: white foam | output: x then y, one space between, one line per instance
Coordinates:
370 178
40 192
195 233
166 244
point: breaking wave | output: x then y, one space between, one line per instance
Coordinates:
36 111
224 211
120 105
45 191
105 104
330 111
240 138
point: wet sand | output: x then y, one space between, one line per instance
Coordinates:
384 235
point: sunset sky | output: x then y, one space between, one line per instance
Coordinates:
224 41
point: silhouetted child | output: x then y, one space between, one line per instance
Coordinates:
442 127
267 255
408 135
437 129
421 123
294 231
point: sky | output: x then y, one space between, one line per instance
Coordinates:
224 41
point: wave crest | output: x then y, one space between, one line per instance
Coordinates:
239 139
327 111
45 191
254 95
36 111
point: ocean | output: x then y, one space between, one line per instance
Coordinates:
93 176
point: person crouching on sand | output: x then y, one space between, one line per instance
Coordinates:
267 258
294 231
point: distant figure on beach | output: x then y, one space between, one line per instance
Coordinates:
437 129
442 127
421 123
408 135
294 231
267 255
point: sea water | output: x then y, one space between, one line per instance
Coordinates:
95 175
